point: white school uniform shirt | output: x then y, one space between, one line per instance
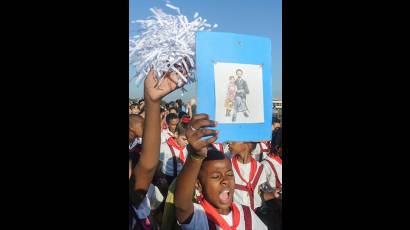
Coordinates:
277 166
242 197
165 135
199 220
165 157
152 200
257 151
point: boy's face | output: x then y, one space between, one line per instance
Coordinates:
182 141
237 147
173 125
218 182
135 110
275 126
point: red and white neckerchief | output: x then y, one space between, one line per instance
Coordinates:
173 144
253 178
251 174
216 218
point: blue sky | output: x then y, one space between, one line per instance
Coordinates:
254 17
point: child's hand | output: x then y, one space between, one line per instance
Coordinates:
154 90
196 130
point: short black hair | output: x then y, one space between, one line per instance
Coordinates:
170 117
275 120
179 102
214 154
276 141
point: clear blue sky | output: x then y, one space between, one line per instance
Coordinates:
254 17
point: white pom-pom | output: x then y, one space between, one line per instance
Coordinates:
165 40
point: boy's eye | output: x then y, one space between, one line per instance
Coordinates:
229 173
215 176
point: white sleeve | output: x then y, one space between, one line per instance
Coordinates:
257 223
155 196
278 168
161 152
270 176
199 221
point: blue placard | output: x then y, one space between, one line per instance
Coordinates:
234 74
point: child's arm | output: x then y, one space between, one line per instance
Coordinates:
153 93
185 183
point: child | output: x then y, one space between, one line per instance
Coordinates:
174 152
210 173
172 120
136 128
144 170
274 161
249 174
271 210
230 96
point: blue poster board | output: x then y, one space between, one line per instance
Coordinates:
219 56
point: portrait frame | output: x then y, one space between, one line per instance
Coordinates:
217 47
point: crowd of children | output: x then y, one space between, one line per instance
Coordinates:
181 178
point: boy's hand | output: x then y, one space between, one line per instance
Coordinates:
196 130
154 90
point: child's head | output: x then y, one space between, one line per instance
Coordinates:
241 147
275 123
136 126
134 108
173 110
180 136
276 142
216 180
172 121
231 78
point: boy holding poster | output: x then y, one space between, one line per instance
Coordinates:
209 173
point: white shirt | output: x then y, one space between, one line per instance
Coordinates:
277 166
165 157
257 151
242 197
152 200
199 220
155 197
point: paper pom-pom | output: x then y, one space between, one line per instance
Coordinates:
168 43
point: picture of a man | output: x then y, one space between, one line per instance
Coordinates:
240 97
